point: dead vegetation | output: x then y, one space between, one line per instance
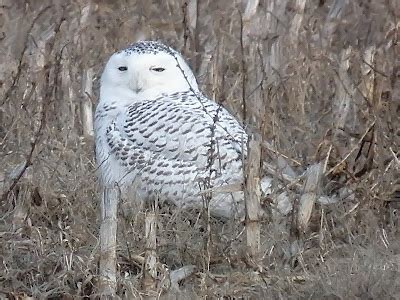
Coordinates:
318 80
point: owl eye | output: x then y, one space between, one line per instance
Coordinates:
158 69
123 68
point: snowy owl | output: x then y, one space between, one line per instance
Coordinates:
155 129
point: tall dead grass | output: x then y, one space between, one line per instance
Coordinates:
324 74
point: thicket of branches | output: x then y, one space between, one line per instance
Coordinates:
319 79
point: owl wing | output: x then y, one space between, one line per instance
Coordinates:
182 128
175 141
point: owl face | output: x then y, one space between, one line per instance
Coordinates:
147 71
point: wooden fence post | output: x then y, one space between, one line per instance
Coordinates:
108 242
252 195
310 194
149 282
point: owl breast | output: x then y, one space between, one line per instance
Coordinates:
172 148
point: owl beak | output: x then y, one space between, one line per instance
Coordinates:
136 84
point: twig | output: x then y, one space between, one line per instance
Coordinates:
45 106
243 67
19 68
351 151
395 157
268 146
374 69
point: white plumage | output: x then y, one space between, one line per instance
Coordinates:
155 129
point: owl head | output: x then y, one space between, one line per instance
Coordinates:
147 69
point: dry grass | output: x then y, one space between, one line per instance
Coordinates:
327 82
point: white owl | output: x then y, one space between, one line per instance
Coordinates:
156 129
